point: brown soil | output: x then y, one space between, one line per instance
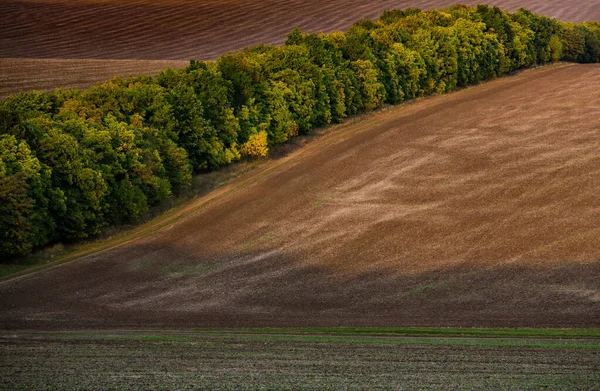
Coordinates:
181 30
23 74
477 208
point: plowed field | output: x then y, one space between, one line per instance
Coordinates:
181 30
476 208
23 74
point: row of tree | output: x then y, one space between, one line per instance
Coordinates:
73 162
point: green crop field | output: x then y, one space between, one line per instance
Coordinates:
308 359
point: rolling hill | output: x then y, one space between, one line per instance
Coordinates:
476 208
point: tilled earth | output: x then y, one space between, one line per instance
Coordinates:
477 208
71 32
25 74
202 29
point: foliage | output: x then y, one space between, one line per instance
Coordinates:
256 146
74 162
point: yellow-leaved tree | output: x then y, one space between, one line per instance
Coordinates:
256 146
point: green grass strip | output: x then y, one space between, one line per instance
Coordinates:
534 338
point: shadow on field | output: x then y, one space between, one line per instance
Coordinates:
421 216
267 287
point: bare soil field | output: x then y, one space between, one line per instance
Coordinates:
181 30
224 360
23 74
477 208
201 29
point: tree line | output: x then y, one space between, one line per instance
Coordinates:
73 162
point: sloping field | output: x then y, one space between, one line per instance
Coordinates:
181 30
477 208
201 29
22 74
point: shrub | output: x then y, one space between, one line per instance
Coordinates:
256 146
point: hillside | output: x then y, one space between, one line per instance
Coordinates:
202 29
24 74
180 30
477 208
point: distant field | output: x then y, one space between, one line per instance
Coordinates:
476 208
292 360
181 30
18 74
201 29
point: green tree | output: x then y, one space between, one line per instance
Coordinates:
18 169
